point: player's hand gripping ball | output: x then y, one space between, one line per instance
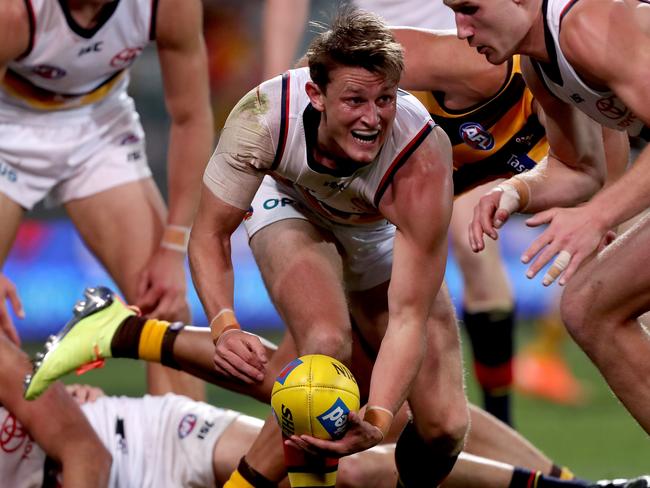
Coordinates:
313 395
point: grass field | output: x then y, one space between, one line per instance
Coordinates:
597 440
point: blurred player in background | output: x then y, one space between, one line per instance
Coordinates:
71 135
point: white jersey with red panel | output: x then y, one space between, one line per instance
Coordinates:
605 107
350 195
67 65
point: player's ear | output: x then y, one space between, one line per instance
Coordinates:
316 96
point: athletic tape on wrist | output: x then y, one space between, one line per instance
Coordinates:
516 195
380 417
225 320
176 238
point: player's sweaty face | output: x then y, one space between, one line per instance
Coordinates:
359 113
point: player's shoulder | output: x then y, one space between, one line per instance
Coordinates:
409 107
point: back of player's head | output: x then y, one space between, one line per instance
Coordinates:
356 38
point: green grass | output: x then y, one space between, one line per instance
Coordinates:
597 440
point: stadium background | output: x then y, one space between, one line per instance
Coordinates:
51 266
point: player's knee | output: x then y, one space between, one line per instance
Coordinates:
582 312
334 342
354 472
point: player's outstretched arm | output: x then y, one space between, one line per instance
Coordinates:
418 202
50 419
237 353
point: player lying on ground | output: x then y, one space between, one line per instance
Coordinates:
104 327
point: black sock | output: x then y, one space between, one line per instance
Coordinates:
524 478
491 336
127 338
419 463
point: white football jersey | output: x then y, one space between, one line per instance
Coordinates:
68 66
605 107
348 196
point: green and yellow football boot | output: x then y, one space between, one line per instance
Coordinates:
82 344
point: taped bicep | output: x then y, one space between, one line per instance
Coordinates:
243 155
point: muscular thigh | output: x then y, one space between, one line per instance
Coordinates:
122 226
302 270
616 283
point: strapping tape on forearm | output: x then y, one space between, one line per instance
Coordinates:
176 238
225 320
380 417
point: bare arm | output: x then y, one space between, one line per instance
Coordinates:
283 27
573 171
439 61
419 203
210 253
575 168
621 61
606 45
181 50
52 418
14 32
183 61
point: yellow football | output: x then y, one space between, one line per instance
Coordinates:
314 395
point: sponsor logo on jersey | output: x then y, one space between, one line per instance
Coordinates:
186 425
520 163
282 377
611 107
93 48
272 203
134 156
336 185
125 57
8 172
335 418
49 72
205 429
475 136
12 434
249 213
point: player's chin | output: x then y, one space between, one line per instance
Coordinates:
363 152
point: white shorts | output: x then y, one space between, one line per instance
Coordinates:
159 441
367 249
64 157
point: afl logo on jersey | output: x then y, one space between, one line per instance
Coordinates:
125 57
49 72
186 425
475 136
